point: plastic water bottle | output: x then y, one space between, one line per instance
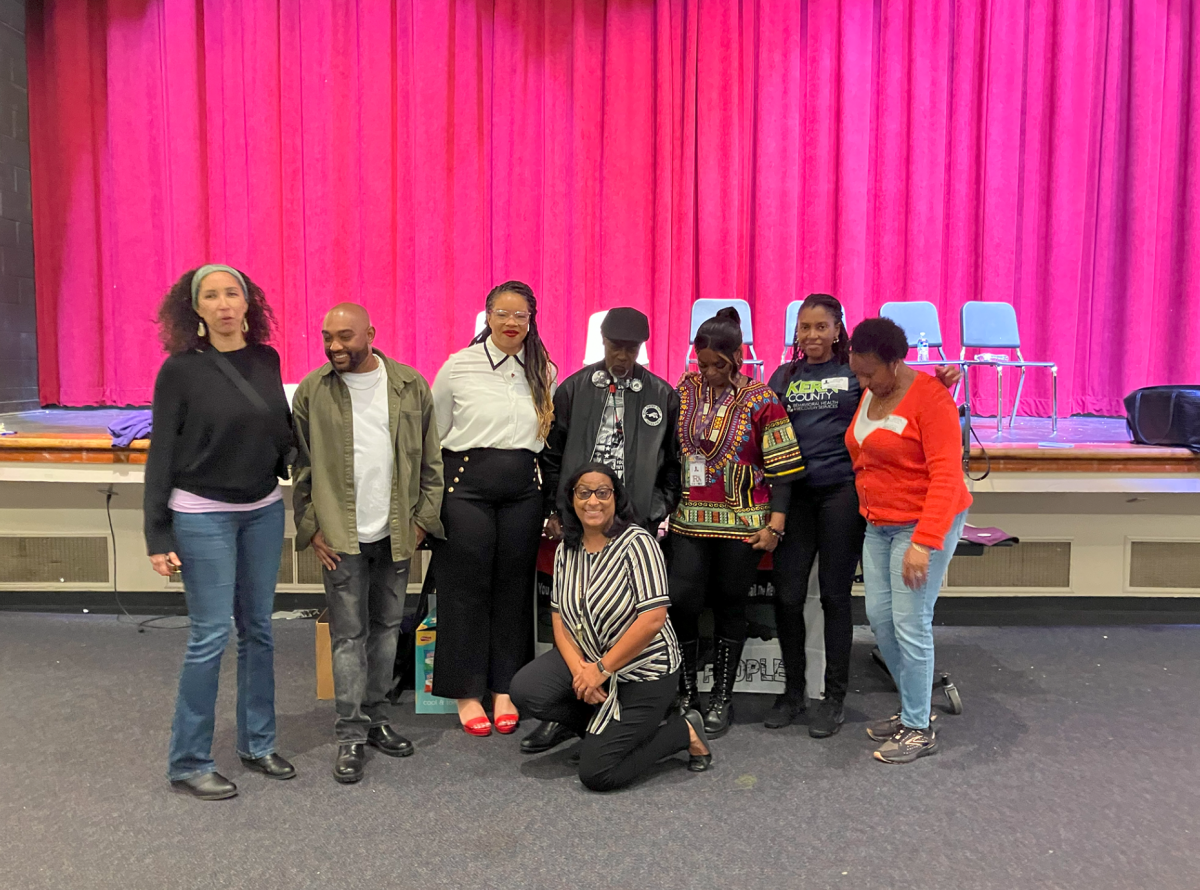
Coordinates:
922 348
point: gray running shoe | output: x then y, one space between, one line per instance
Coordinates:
885 729
907 745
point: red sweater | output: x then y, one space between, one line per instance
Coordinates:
914 475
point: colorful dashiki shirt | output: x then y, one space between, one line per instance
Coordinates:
746 441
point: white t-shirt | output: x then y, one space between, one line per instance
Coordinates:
373 458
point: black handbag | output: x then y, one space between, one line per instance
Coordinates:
1165 415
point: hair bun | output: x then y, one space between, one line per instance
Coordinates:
730 313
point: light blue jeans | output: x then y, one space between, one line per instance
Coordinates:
230 563
902 619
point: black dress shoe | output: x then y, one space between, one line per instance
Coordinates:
698 763
210 786
575 756
272 766
348 767
546 736
389 741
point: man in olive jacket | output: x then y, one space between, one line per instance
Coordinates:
367 489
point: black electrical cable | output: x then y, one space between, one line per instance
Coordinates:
109 494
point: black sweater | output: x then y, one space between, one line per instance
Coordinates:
209 439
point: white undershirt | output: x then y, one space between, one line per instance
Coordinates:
373 457
863 425
482 400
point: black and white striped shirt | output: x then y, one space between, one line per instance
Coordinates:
598 596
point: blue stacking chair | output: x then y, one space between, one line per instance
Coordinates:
987 325
703 310
789 329
917 317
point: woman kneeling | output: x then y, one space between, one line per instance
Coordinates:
614 671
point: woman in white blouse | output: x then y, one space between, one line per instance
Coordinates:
494 407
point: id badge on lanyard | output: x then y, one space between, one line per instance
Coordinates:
696 465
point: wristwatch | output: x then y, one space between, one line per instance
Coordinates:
600 666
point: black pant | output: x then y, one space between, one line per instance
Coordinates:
484 570
365 595
719 570
627 747
822 519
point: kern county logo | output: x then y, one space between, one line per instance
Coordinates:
815 390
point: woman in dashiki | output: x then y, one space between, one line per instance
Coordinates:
739 458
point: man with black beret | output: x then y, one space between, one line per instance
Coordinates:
616 412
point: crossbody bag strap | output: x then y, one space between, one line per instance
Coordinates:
239 381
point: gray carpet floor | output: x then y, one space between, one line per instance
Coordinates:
1073 766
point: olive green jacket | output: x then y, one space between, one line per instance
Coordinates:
323 474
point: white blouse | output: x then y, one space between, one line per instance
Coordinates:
482 400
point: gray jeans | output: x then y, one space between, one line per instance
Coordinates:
365 595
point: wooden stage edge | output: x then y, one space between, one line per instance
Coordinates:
1081 457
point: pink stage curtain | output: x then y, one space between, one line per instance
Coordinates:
410 154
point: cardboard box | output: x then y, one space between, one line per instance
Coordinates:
324 658
423 653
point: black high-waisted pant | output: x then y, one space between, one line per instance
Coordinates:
484 570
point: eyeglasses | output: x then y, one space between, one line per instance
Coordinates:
505 315
584 494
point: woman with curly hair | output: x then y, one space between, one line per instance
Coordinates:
494 408
214 511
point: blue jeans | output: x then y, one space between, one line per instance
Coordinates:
902 619
230 563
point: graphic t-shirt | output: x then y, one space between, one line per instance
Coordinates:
820 401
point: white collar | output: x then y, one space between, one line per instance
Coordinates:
487 350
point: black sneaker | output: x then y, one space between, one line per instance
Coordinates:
826 718
907 745
885 729
788 706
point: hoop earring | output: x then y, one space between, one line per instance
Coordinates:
200 329
245 326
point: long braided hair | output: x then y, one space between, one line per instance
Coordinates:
539 370
841 346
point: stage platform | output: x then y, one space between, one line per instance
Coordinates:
1097 516
1082 444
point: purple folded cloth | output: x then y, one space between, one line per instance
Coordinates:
128 427
988 537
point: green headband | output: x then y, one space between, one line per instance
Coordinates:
205 271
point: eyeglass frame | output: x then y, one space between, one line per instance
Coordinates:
520 317
594 491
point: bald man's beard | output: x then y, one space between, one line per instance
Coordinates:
356 358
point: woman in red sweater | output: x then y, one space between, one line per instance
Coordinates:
906 445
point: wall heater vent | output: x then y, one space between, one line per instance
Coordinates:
54 560
1041 564
1166 565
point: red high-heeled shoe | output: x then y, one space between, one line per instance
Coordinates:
479 726
507 723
